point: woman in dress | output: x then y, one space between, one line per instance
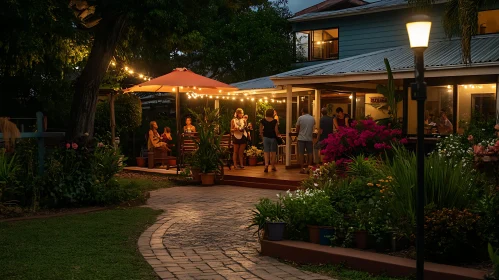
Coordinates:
239 137
154 139
269 131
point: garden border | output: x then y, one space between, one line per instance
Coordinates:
308 253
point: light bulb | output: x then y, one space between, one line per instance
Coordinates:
130 71
126 68
141 76
113 63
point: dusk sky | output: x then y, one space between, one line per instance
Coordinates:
298 5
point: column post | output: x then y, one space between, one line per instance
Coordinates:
354 105
497 100
317 107
289 117
217 104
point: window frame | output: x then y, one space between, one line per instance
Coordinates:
310 45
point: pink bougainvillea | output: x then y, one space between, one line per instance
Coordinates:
363 137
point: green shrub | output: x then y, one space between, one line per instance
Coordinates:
494 257
128 114
114 193
450 235
448 184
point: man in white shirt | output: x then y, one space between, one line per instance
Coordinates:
305 129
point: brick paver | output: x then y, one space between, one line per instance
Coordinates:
203 234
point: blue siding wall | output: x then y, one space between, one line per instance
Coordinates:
367 33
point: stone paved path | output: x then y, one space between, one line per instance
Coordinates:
203 235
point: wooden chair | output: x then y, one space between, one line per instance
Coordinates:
187 146
226 145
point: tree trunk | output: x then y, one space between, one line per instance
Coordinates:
107 35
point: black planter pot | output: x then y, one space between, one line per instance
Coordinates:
275 231
326 233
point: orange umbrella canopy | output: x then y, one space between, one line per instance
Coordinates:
185 81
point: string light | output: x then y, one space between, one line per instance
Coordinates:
141 76
126 68
113 63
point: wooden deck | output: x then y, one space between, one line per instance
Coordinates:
251 176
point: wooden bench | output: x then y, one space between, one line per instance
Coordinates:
187 145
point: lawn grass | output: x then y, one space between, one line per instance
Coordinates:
341 273
145 183
99 245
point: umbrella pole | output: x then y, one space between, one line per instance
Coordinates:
177 114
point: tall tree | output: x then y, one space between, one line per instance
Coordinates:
460 19
170 23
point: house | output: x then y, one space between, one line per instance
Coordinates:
340 60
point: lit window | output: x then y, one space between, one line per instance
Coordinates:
317 45
475 101
488 22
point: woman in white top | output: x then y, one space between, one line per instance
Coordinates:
239 137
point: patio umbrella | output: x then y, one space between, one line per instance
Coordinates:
182 80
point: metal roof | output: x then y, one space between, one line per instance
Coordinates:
383 5
440 54
259 83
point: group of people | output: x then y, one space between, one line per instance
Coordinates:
241 129
269 132
442 125
305 129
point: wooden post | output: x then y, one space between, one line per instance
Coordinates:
179 127
497 100
317 107
112 118
354 106
289 116
41 142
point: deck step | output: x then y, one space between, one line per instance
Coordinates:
258 185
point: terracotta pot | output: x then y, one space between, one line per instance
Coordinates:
361 239
207 179
252 161
172 162
314 234
196 174
141 161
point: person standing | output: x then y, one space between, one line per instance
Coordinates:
325 128
276 117
341 119
269 131
305 129
239 137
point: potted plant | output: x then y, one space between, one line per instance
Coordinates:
208 156
141 161
275 229
494 257
321 214
253 153
268 218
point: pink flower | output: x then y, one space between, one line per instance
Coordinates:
470 138
74 146
100 145
68 145
403 141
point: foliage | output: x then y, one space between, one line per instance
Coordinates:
364 137
80 175
494 257
253 151
448 184
8 169
488 208
392 98
320 176
455 148
103 244
306 207
450 234
460 20
209 153
127 111
266 211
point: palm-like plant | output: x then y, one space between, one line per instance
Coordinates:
392 97
460 19
209 153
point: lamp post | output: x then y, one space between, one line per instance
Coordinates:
418 29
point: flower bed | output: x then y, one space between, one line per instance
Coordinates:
376 199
